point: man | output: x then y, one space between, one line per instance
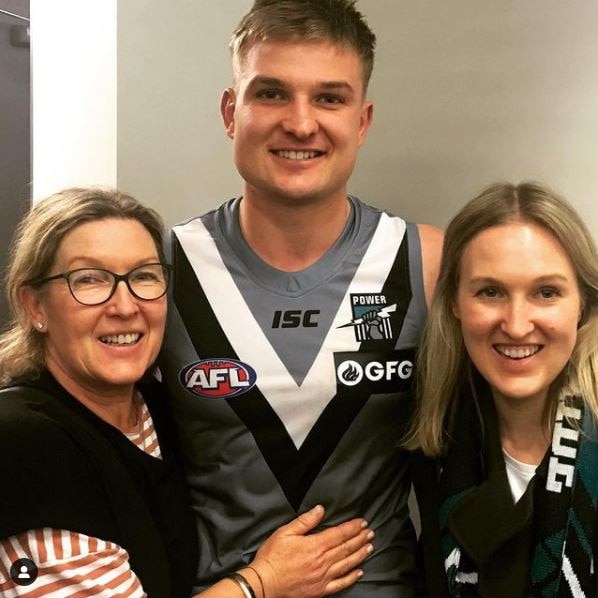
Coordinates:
297 308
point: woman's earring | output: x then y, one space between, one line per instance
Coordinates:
40 325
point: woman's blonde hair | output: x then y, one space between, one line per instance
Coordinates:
32 253
444 367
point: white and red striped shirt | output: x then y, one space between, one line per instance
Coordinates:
73 565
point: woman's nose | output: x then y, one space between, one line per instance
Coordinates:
518 319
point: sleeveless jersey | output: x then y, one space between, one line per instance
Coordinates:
293 389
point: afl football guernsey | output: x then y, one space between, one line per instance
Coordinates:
292 389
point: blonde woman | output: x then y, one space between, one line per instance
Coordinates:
509 402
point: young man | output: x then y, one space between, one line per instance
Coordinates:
297 308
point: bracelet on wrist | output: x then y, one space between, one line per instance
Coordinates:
259 578
243 584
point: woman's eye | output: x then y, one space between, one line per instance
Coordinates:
488 293
145 277
84 280
89 278
548 293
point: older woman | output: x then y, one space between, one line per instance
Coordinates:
92 492
509 402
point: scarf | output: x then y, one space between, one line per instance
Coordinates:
564 493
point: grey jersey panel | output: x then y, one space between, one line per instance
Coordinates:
273 296
248 455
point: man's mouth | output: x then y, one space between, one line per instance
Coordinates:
297 154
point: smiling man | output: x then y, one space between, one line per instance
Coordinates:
297 308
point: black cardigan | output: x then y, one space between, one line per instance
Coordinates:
63 467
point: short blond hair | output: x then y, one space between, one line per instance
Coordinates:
336 21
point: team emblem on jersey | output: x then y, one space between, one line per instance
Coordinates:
371 316
218 378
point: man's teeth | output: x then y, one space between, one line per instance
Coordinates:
121 339
517 352
297 155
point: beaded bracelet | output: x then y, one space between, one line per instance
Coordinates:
243 584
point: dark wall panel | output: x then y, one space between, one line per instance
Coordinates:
15 128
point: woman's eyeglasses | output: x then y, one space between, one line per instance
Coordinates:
94 286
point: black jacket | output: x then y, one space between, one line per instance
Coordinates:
63 467
495 533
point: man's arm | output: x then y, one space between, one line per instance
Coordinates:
431 244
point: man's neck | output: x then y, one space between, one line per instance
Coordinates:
291 237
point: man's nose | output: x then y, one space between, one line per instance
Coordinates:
300 119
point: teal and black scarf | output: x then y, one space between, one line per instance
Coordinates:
563 504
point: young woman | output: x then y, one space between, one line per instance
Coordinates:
509 403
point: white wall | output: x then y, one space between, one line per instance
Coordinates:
466 93
73 88
173 65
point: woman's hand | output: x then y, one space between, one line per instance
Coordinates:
293 563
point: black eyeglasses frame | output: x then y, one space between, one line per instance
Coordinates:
38 282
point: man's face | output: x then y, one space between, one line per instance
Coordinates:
297 117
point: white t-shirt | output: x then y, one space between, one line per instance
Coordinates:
519 475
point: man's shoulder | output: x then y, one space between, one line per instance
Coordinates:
431 239
229 206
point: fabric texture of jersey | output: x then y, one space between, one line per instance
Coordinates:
291 389
70 470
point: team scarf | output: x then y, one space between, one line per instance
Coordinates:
564 503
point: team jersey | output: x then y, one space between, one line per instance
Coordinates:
292 389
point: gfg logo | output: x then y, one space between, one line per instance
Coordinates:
351 373
389 372
218 378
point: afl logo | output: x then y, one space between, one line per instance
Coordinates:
218 378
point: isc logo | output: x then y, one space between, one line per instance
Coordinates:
295 318
218 378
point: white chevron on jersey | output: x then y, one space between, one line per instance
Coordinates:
298 407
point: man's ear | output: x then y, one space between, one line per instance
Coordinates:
227 109
367 115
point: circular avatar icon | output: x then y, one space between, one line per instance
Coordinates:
23 572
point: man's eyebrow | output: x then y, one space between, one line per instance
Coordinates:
275 82
260 80
336 85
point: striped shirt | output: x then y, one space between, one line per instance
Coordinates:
73 565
